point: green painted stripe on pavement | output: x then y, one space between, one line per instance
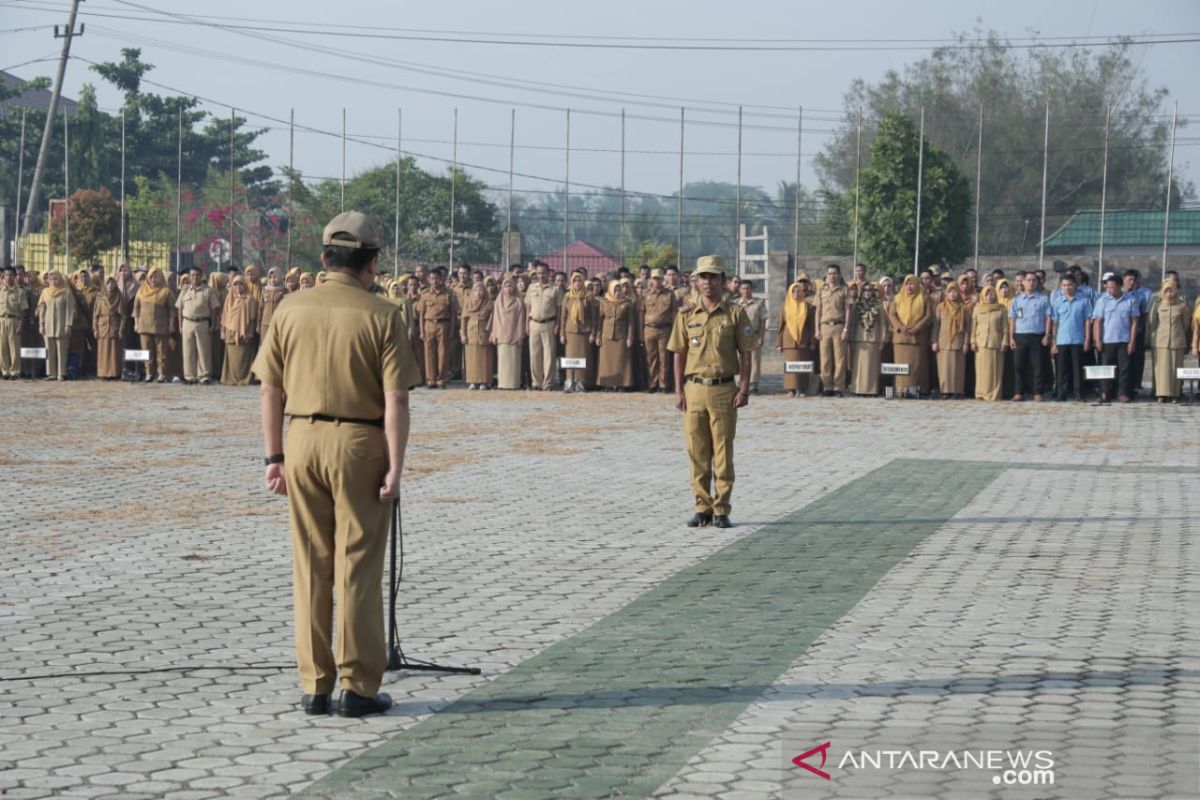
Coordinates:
621 706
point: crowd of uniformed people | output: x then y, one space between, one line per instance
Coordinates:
988 337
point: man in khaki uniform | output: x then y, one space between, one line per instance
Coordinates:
14 305
199 309
336 360
657 308
712 342
543 301
833 309
438 312
756 312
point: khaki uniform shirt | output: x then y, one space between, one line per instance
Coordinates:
989 329
14 302
436 306
543 302
659 308
56 314
712 342
335 349
198 304
756 312
616 320
1169 326
832 303
151 317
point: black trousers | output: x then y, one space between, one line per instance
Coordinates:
1117 353
1068 369
1027 358
1137 361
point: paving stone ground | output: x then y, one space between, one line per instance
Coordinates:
907 574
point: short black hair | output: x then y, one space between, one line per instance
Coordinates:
13 270
997 273
1112 276
354 259
672 268
1132 273
1067 276
838 267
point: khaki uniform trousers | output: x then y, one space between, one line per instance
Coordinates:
10 347
709 426
57 348
339 540
543 354
156 343
755 366
659 360
438 342
197 350
833 358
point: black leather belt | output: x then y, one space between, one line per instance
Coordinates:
543 321
709 381
11 316
658 324
374 423
198 319
833 322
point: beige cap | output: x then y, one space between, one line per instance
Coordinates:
709 265
656 273
352 229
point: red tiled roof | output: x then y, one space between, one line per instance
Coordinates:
583 255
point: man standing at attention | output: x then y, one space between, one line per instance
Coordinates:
198 307
833 308
756 312
438 311
336 361
657 307
543 300
1028 338
14 303
712 342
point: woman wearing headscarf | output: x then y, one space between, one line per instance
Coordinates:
1004 296
509 329
475 325
239 324
56 309
617 317
254 283
307 281
321 277
109 322
292 281
83 341
795 339
577 323
412 294
153 319
989 342
273 292
1168 331
493 288
910 316
951 324
218 284
526 368
867 337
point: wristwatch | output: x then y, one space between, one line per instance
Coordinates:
275 459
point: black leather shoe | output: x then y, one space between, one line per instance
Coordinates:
355 705
722 521
700 520
314 704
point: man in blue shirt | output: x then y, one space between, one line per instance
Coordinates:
1028 337
1114 331
1132 285
1069 315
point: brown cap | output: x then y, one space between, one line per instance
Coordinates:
352 229
656 273
709 265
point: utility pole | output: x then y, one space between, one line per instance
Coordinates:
35 190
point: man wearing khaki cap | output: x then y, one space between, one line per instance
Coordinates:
712 342
336 360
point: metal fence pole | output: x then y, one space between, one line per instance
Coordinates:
796 203
122 254
1167 201
622 237
737 224
232 190
453 184
857 182
343 197
920 176
679 216
567 199
20 182
1103 193
287 259
1045 172
399 160
67 191
179 190
978 185
512 158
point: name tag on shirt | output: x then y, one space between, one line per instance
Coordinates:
1020 313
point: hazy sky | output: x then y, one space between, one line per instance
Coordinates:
199 59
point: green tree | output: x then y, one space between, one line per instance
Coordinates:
1013 87
95 219
888 202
